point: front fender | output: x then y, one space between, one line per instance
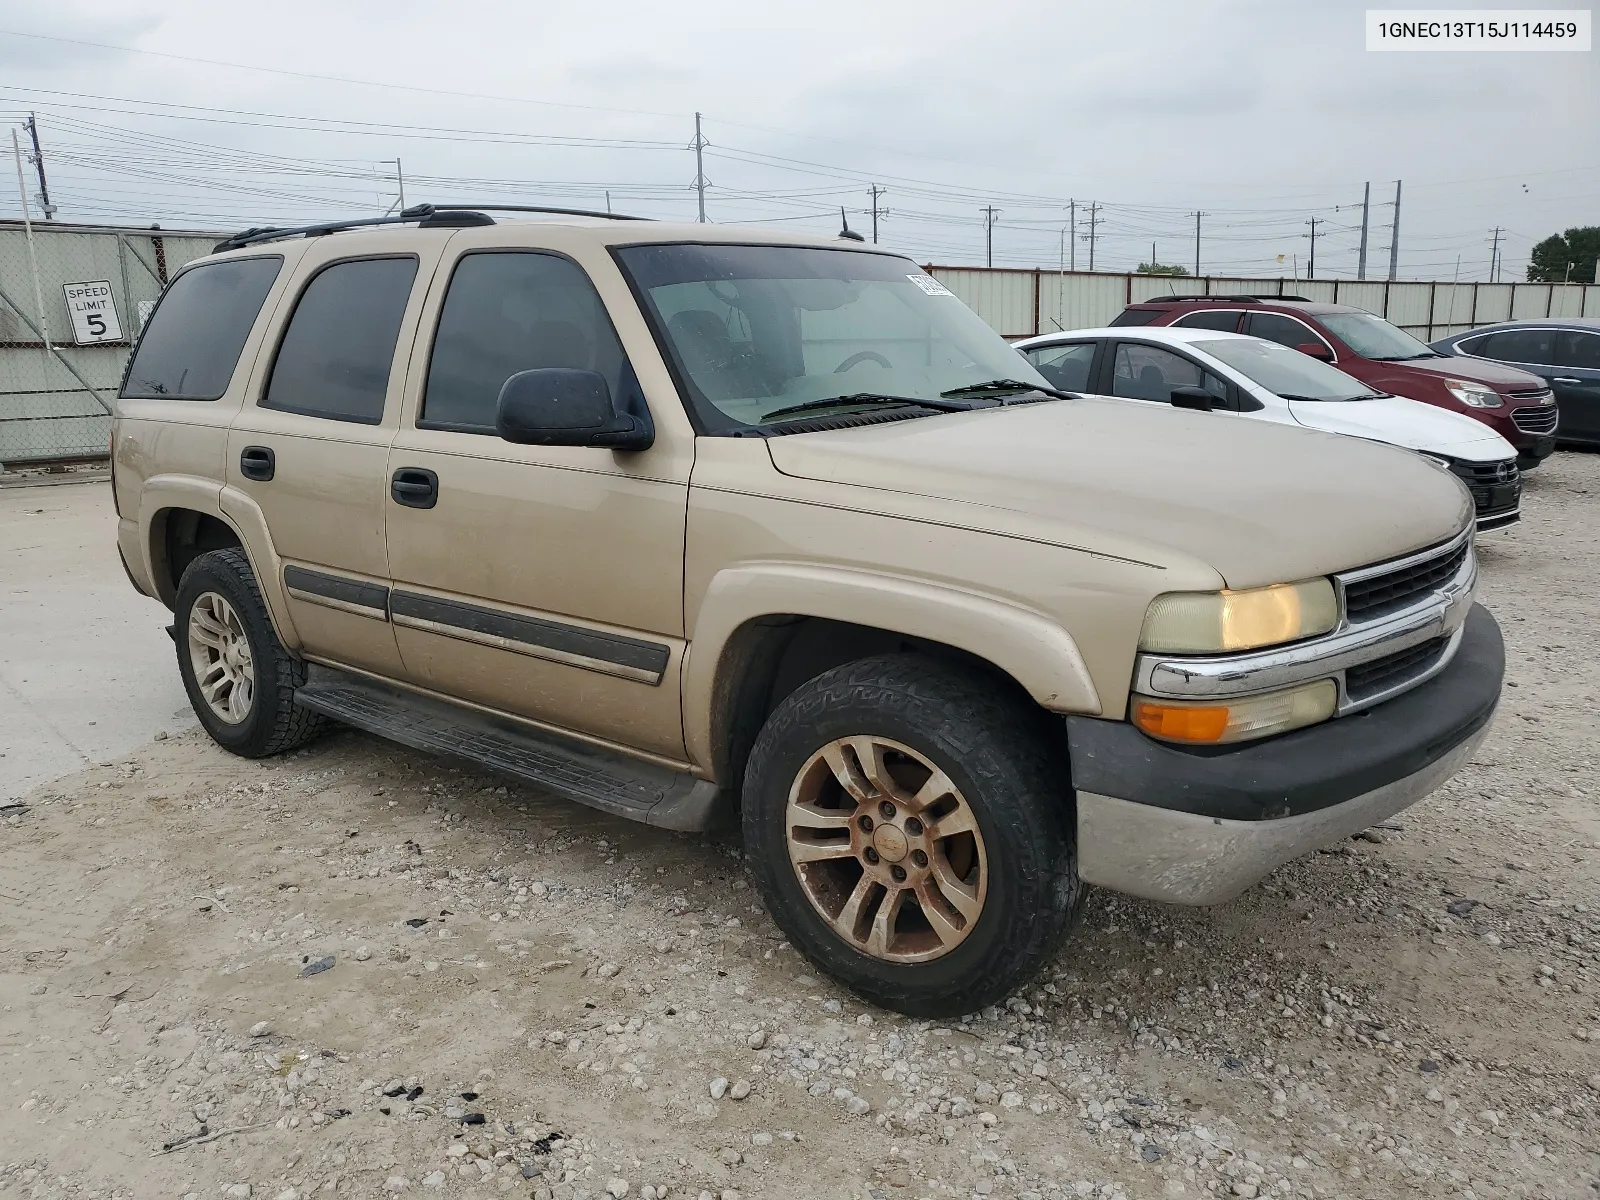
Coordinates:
1027 645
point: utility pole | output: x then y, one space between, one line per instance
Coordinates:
608 199
1366 207
875 191
400 178
700 181
1072 243
989 214
38 165
1311 270
1494 256
1153 263
1094 223
33 260
1394 234
1197 217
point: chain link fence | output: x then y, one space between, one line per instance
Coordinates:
72 302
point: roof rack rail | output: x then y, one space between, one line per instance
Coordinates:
427 216
540 208
1267 299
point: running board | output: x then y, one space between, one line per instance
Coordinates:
603 779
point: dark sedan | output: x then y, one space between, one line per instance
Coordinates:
1563 351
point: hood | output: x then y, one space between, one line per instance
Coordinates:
1408 423
1257 502
1479 370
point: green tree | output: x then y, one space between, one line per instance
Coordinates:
1580 247
1155 268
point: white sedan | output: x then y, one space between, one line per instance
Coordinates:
1252 378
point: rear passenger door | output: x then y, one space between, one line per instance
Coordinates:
541 581
1068 365
309 448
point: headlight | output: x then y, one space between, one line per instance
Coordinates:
1236 720
1434 459
1474 395
1216 622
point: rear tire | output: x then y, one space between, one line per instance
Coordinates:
910 825
240 679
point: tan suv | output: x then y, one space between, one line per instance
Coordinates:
688 522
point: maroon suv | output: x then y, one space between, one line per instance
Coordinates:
1516 405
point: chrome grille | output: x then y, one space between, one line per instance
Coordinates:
1371 596
1540 420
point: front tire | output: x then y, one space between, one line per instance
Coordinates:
240 679
910 826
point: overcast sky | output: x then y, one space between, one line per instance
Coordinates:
1260 115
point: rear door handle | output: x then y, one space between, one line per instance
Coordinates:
258 463
414 487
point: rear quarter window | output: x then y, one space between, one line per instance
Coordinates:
1136 316
191 346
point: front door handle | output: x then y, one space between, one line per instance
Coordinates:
258 463
414 487
1565 379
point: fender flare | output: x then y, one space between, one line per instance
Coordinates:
1030 647
239 513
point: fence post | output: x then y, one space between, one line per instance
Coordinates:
127 289
1472 317
1433 291
1036 329
1549 299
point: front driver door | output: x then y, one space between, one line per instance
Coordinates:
1576 383
544 582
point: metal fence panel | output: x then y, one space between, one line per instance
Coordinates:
56 395
1085 300
1074 301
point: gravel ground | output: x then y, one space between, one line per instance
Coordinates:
358 971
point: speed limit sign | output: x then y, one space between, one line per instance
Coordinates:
93 311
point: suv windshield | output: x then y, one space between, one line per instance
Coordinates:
1286 372
1373 337
755 330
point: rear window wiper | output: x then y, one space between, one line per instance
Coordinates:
940 405
995 387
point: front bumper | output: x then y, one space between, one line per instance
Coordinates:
1198 826
1531 451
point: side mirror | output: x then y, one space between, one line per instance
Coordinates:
1193 397
561 406
1316 350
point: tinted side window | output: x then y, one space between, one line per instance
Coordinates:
1276 327
1066 367
1519 345
1575 348
192 344
1150 373
336 353
1136 316
1226 321
511 311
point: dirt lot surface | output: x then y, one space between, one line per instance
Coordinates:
358 971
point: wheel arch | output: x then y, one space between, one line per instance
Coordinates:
762 632
183 518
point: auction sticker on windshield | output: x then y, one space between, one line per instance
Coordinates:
930 285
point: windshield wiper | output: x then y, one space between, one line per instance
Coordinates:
1329 399
1407 357
995 387
940 405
